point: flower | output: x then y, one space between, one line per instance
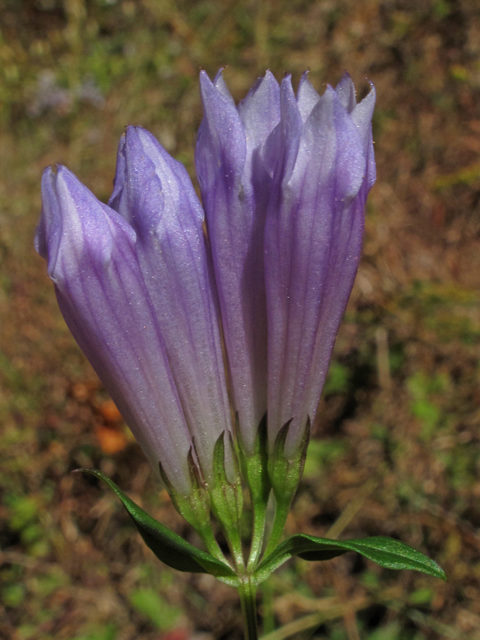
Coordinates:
147 324
284 180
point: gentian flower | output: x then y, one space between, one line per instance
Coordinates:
167 313
284 180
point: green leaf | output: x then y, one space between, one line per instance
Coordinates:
169 547
387 552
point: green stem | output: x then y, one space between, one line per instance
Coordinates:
282 508
211 543
247 592
268 613
235 546
259 518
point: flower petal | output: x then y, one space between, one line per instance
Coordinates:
307 97
235 191
346 92
313 241
100 289
155 193
281 147
362 118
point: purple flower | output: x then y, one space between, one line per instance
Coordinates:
284 181
236 189
155 195
101 292
136 292
323 171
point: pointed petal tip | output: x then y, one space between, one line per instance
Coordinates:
135 131
219 74
57 181
52 168
305 75
207 87
372 91
204 78
269 77
286 84
60 176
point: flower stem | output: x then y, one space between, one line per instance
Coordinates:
282 508
211 543
247 592
259 518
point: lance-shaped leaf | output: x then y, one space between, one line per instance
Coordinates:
313 241
155 194
387 552
169 547
236 189
92 260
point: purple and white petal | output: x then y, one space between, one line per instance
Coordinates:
313 241
100 289
307 97
155 193
235 192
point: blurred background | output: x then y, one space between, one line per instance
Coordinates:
396 448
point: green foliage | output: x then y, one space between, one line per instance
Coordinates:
148 603
390 632
422 596
338 379
167 545
108 632
387 552
321 454
25 518
423 390
13 595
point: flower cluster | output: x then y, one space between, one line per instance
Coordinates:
166 314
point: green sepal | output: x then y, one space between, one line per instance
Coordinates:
286 472
387 552
285 475
195 506
169 547
254 465
227 497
